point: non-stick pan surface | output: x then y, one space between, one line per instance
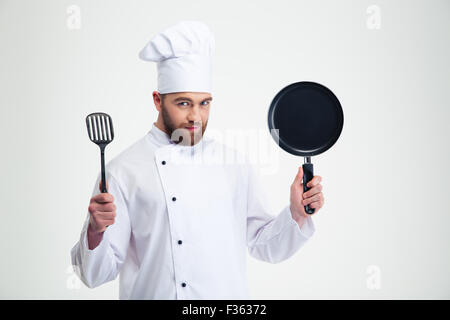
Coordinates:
308 117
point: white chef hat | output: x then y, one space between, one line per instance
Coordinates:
183 54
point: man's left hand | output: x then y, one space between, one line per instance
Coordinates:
313 197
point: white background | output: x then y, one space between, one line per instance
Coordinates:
385 181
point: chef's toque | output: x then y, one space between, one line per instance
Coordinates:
183 54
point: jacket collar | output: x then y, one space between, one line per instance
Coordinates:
159 137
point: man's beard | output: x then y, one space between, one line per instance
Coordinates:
182 136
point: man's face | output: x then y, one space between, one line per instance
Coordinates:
184 115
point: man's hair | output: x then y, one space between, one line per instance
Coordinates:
163 96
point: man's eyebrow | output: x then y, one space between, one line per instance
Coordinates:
189 99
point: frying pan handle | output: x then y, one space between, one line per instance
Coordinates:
308 174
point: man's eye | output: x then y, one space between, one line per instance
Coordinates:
206 103
180 104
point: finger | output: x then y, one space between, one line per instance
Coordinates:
322 200
103 221
97 207
316 205
103 198
297 185
312 191
311 199
299 176
314 181
103 229
101 216
106 207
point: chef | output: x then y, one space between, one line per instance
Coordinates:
177 221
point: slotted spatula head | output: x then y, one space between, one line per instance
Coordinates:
100 128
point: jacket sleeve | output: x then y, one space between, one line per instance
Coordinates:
103 263
272 238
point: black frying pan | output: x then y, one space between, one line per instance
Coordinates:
309 120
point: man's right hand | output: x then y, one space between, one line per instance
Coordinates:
102 212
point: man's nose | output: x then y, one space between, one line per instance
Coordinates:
194 115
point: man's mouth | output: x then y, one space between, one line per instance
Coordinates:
192 128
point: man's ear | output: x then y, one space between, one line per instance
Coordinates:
157 100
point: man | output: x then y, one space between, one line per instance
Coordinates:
174 227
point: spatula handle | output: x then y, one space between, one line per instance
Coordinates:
102 160
308 174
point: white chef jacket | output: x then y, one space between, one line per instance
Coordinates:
185 217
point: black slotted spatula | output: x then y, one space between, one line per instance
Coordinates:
101 132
